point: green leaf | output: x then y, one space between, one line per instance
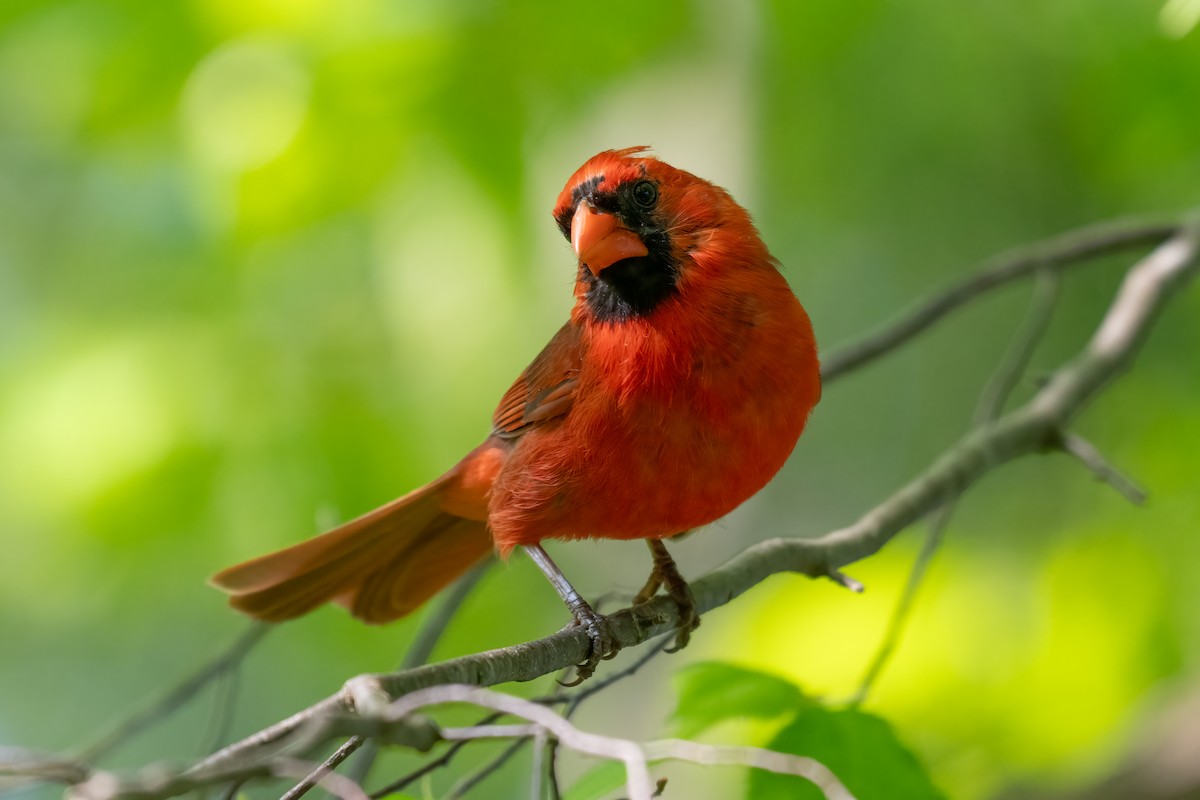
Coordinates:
862 751
712 692
598 782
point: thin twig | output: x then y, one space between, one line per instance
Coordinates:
523 734
757 757
231 789
337 785
441 761
1055 253
574 699
1020 352
156 782
178 696
552 769
1086 453
538 769
436 623
19 765
315 777
991 403
900 613
221 716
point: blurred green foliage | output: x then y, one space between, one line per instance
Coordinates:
711 692
266 265
860 748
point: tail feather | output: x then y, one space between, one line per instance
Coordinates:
381 565
449 547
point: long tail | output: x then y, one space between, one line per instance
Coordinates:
380 566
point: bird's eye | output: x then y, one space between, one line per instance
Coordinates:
645 194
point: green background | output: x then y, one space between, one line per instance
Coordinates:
264 266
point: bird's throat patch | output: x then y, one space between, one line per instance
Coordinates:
633 287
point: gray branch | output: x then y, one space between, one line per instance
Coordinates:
1062 251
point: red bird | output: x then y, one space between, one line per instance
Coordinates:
676 390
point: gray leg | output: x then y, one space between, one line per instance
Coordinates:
604 642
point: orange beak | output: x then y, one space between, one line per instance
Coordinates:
601 241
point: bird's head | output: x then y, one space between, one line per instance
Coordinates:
643 230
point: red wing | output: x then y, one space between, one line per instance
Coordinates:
545 390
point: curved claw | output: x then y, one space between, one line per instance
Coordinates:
689 620
605 644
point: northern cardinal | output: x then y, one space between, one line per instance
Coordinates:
675 391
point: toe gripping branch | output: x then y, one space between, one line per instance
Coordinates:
605 643
666 575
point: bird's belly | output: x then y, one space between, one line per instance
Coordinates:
650 472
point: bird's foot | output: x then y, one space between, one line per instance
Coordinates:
679 591
666 575
605 644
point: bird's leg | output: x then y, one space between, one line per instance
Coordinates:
666 574
604 642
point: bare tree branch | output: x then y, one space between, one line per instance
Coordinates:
991 403
1058 252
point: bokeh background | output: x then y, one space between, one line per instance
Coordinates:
266 265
